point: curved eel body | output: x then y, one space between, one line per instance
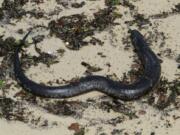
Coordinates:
144 84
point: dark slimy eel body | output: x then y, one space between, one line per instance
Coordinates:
144 84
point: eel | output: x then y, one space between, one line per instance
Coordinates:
145 83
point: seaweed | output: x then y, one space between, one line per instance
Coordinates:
95 41
66 108
37 1
165 94
116 120
64 3
13 9
36 13
178 59
112 2
2 84
119 107
72 30
140 20
90 68
1 13
12 110
45 58
75 28
174 11
117 132
125 3
7 46
177 8
78 5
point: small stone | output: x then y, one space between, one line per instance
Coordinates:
67 43
75 127
142 112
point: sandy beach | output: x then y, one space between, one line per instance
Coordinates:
101 47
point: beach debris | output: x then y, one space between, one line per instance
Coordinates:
119 107
90 69
45 58
1 13
140 20
178 59
103 56
64 3
74 126
66 108
115 121
117 132
38 39
7 45
12 110
75 28
95 41
177 8
174 11
125 3
13 9
2 82
78 5
165 94
112 2
61 52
